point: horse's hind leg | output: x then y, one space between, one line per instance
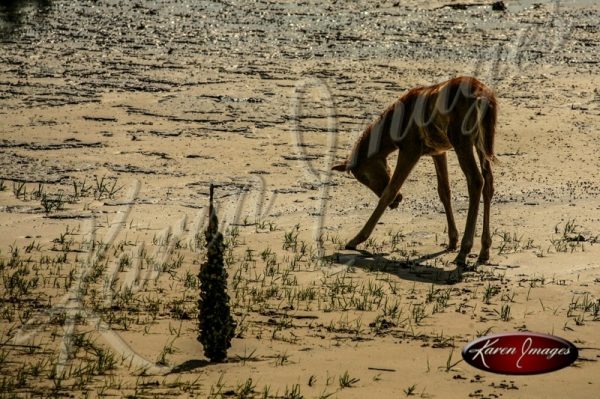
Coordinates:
469 166
488 192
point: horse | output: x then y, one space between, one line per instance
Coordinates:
459 113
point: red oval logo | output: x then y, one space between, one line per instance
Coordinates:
520 353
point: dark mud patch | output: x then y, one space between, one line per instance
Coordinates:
67 144
100 118
134 169
27 169
199 156
163 133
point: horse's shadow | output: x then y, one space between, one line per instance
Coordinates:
411 270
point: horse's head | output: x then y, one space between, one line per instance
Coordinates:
373 173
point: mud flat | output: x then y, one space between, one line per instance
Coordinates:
116 117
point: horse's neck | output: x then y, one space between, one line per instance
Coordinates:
372 145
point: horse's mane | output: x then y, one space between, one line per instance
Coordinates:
366 134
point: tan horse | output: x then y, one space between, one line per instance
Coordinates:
459 113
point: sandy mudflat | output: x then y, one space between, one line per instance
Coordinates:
116 116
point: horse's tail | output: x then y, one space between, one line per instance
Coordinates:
487 114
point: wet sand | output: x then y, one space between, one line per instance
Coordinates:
117 116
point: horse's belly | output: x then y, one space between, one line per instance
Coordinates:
435 139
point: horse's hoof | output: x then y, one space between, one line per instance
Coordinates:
396 202
350 246
455 276
461 260
483 260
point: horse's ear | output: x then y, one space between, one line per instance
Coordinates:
340 167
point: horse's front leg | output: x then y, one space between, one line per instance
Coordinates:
403 168
443 186
366 231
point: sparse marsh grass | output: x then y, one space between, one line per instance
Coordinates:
583 308
52 202
504 312
283 291
347 381
410 391
569 237
19 189
489 292
508 243
104 187
451 362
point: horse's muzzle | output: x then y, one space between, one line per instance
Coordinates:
396 201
